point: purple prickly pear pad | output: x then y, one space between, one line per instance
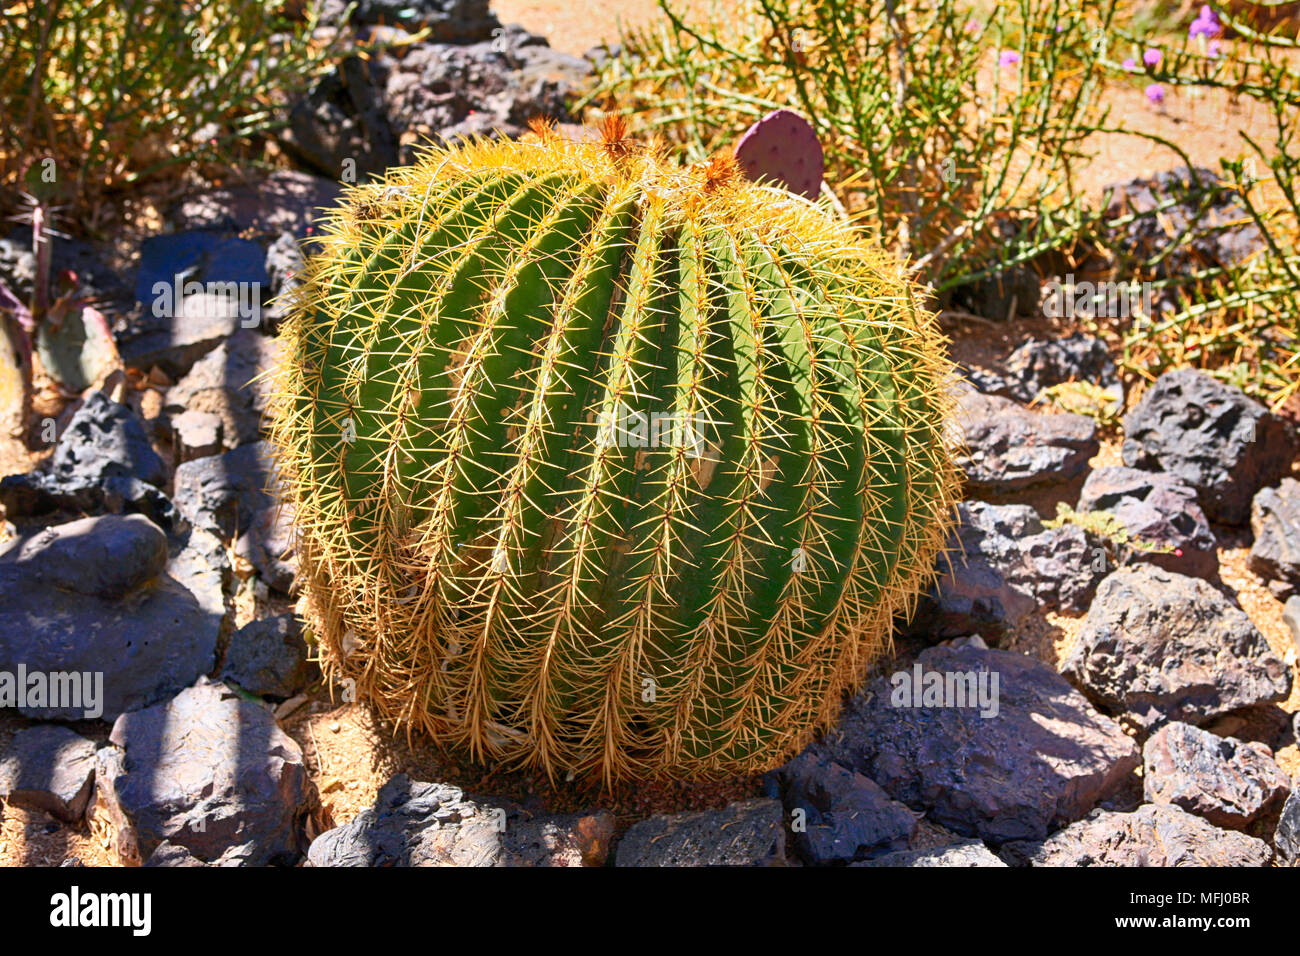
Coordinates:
783 147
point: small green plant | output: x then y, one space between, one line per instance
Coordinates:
57 322
1237 319
952 134
604 465
106 93
1084 398
1107 527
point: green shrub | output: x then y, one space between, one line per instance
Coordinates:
115 91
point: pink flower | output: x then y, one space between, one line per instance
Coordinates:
1206 24
1155 93
1008 58
1152 57
1130 64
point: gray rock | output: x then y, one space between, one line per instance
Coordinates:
1166 526
1152 835
105 557
225 493
196 434
1192 204
268 658
285 264
374 112
1044 759
174 343
966 854
971 597
48 768
226 383
1009 448
844 815
1038 365
169 854
1286 840
1000 565
103 462
36 493
286 201
1162 647
434 824
268 546
103 600
1223 444
1275 521
218 262
1227 781
1291 616
208 771
102 439
340 127
228 495
746 833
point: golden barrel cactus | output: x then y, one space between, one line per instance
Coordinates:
606 466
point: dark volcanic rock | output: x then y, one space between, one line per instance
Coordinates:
169 854
747 833
286 201
1166 526
103 462
174 342
102 439
1286 840
434 824
1180 203
48 768
1008 447
37 493
842 816
102 599
1045 758
1038 365
268 658
368 115
1058 566
228 495
1162 647
1223 444
1152 835
201 255
967 854
224 493
226 383
1001 564
208 771
1275 521
1227 781
339 127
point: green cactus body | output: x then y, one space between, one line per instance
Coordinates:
606 466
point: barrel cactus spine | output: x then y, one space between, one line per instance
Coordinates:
606 466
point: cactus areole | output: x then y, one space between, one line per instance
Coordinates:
606 466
